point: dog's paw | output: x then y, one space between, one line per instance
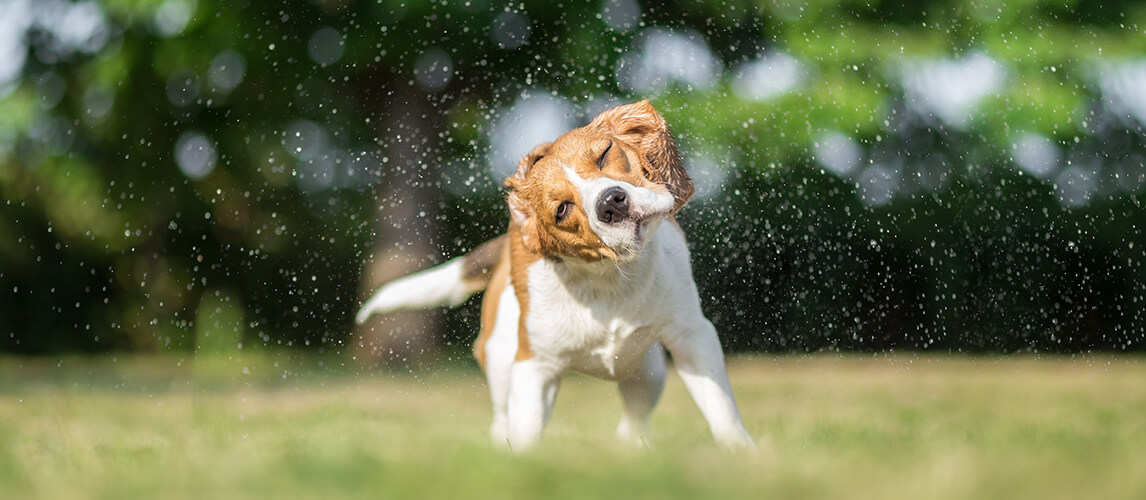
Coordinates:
634 435
736 441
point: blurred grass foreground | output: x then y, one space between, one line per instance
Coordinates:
964 175
195 195
827 427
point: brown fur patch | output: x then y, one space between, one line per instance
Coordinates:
491 301
480 262
519 268
519 261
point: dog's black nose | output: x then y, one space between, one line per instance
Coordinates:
613 205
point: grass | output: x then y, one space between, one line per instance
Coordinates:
827 427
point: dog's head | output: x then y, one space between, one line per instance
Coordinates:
599 191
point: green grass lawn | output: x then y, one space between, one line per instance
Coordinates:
275 426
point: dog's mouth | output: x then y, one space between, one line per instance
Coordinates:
643 224
641 231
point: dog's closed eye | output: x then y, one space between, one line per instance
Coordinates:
601 159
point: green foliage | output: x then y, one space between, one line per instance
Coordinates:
105 243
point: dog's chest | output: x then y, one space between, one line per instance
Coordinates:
600 328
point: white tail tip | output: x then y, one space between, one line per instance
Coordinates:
444 285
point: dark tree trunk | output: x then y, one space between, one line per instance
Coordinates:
406 228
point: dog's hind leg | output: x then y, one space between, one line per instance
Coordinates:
497 375
640 394
497 351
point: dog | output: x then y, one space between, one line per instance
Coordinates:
592 275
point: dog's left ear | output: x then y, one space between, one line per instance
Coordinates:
642 127
519 210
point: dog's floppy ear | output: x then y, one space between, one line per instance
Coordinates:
519 210
642 127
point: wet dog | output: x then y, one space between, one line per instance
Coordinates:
593 275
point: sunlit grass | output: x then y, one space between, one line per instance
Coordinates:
827 427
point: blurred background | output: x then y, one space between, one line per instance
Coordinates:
198 176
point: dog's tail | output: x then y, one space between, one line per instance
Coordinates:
449 284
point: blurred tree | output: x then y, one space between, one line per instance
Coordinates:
964 175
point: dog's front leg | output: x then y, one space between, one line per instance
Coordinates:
532 392
700 362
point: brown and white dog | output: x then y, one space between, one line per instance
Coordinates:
587 279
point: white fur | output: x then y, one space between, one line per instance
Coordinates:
500 349
605 319
444 285
532 393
